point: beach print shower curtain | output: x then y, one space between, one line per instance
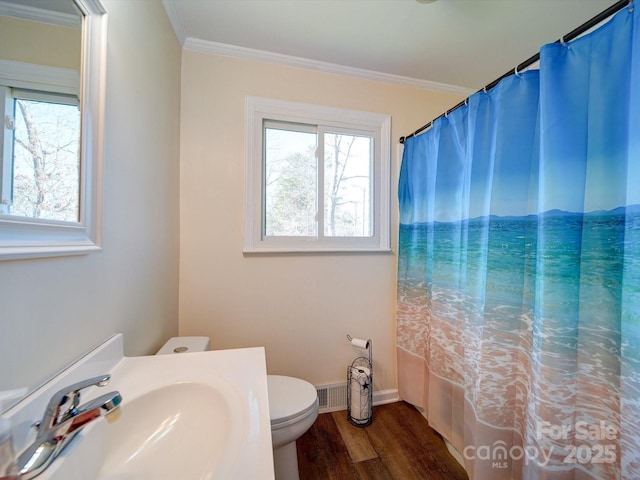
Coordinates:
519 267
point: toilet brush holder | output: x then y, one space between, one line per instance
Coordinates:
360 386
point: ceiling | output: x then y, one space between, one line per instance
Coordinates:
455 45
63 6
57 12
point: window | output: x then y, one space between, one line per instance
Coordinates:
317 178
40 160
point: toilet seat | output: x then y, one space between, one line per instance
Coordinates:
290 399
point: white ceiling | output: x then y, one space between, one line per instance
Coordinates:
446 44
63 6
57 12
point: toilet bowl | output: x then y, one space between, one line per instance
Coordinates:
293 407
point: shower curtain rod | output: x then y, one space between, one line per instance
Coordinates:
613 9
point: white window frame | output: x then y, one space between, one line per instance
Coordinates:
260 110
8 96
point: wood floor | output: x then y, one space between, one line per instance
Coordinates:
398 445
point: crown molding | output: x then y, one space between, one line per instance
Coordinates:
234 51
214 48
174 19
41 15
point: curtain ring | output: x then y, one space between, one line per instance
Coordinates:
516 72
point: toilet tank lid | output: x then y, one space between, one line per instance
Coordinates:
289 397
185 344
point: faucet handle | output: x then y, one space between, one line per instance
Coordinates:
64 402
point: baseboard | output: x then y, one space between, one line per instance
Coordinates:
385 396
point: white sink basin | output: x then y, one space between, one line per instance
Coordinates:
178 431
196 416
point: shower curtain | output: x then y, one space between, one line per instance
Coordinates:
518 317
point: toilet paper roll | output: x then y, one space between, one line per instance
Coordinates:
360 385
359 343
363 374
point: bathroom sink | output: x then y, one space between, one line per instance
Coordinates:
178 431
196 416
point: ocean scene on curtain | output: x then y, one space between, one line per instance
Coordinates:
518 303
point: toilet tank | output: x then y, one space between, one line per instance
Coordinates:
185 345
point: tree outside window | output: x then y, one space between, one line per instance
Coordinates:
45 170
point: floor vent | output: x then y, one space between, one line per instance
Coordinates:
332 397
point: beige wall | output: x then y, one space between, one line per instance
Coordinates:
300 307
40 43
53 309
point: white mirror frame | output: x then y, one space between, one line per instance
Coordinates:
32 238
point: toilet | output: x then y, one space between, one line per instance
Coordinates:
293 407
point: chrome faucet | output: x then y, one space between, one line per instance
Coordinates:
62 419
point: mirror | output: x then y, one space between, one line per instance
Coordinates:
74 78
52 71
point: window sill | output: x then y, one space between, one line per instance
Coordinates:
45 251
315 250
31 238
